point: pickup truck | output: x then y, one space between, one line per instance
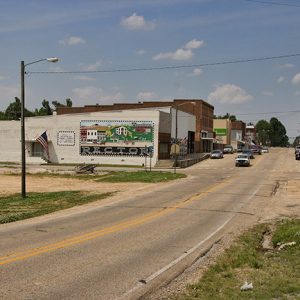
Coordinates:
242 160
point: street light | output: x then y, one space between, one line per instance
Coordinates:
176 129
23 161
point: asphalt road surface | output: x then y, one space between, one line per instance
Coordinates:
128 247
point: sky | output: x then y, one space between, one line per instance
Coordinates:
178 46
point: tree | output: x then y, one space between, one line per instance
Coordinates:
69 102
2 116
263 129
45 110
58 104
13 111
278 135
227 116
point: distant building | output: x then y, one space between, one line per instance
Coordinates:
250 136
199 141
222 130
238 133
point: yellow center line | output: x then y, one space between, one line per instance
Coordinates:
12 257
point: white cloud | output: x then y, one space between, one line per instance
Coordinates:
280 79
72 41
179 54
135 22
196 72
184 53
2 77
92 67
141 52
194 44
142 96
84 78
229 94
286 66
267 93
93 94
296 79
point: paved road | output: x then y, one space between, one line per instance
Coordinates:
128 247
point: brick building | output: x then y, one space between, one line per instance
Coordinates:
202 141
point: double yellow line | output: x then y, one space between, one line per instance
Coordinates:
13 257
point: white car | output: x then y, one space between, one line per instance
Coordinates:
242 160
264 150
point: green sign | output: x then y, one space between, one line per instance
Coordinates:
220 131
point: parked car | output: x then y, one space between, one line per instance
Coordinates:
249 152
297 148
216 154
228 149
256 149
297 155
265 150
242 160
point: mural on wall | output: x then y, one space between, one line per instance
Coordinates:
104 137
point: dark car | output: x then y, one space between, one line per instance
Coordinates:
297 155
256 149
228 149
249 152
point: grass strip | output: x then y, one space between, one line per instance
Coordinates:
275 274
14 207
112 176
140 176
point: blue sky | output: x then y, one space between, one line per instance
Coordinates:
90 35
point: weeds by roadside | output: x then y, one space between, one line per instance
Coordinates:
113 176
14 208
275 273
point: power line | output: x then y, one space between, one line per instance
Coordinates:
273 3
269 112
170 67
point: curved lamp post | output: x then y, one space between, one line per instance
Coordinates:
23 161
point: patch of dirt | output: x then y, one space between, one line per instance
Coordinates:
12 184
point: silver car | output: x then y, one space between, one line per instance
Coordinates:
216 154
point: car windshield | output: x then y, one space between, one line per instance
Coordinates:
242 156
216 151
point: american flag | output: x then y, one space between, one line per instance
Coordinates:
43 140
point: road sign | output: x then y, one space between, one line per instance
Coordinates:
175 149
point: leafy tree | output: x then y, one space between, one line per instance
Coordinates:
2 116
58 104
227 116
69 102
278 135
13 111
263 129
45 110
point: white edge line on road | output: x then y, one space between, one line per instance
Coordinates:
177 260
